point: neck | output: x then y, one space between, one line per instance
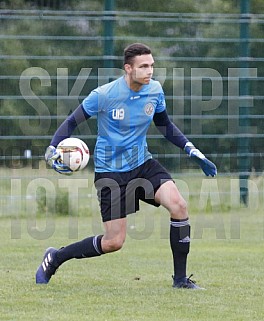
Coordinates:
135 86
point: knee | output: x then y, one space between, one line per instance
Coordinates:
179 209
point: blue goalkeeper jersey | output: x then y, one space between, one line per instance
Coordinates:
123 119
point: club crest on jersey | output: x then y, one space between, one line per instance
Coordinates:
118 114
149 109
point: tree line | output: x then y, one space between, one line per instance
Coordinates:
200 31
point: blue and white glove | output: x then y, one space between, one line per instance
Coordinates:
207 166
53 158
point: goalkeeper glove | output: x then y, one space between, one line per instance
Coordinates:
207 166
53 158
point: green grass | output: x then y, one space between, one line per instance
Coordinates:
135 283
20 187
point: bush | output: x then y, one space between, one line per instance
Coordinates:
61 203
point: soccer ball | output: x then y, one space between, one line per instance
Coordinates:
74 153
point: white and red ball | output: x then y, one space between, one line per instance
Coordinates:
74 153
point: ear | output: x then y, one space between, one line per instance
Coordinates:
127 68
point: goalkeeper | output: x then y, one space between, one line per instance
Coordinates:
125 171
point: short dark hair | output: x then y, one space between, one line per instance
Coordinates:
135 49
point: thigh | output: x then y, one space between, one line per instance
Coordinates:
155 175
110 196
115 229
117 194
170 197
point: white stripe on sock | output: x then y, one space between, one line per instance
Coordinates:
180 223
95 244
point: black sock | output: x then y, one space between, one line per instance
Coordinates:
180 245
89 247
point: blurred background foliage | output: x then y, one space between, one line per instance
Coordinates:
75 29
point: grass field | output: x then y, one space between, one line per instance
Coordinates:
135 284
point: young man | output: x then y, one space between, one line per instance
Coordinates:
125 171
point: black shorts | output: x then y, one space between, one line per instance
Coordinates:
119 192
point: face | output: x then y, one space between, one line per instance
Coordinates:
140 71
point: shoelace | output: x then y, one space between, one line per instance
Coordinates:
52 267
189 279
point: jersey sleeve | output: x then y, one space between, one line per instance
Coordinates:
92 104
158 90
161 106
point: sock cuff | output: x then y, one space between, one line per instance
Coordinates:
97 244
179 223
